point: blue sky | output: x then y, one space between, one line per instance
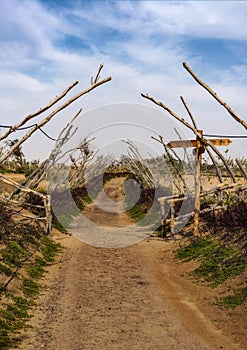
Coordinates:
47 44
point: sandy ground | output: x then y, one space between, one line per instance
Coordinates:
125 298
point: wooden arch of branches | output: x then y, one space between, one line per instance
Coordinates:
82 154
201 144
17 199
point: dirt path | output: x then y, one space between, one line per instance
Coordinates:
105 222
125 298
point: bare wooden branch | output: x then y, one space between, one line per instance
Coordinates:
64 136
50 116
45 198
197 186
98 74
242 168
203 140
171 200
196 127
15 184
189 112
29 217
220 187
40 111
190 166
48 212
223 103
146 172
177 170
69 123
23 204
14 273
215 164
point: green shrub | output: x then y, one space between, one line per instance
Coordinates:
217 262
233 300
13 318
49 249
197 248
30 287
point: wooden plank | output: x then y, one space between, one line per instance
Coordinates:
193 143
220 142
182 144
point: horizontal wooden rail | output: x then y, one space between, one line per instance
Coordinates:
45 198
172 200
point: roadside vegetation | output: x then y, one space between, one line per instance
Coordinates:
146 210
25 253
221 254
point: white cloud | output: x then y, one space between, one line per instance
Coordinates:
203 19
141 43
190 18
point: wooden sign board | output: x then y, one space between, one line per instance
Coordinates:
192 143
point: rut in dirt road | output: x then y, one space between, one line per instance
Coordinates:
103 299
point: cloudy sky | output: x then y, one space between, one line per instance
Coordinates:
47 44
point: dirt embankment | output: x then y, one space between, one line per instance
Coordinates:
125 298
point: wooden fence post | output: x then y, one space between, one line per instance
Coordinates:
172 220
199 151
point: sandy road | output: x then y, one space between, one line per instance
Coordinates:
125 298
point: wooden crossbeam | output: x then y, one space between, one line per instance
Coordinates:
199 146
193 143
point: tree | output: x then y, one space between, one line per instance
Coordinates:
18 155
